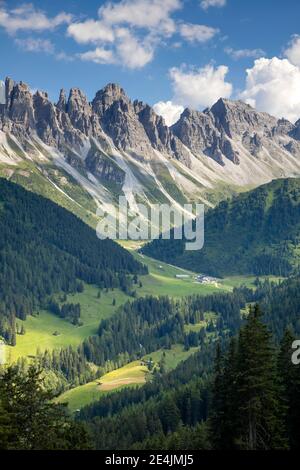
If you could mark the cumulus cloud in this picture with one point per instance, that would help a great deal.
(205, 4)
(99, 56)
(150, 14)
(197, 32)
(169, 111)
(201, 87)
(293, 51)
(36, 45)
(131, 51)
(91, 31)
(237, 54)
(133, 29)
(272, 85)
(28, 18)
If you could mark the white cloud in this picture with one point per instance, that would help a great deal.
(205, 4)
(149, 14)
(132, 52)
(127, 32)
(242, 53)
(64, 56)
(201, 87)
(169, 111)
(99, 56)
(36, 45)
(91, 31)
(293, 51)
(133, 29)
(197, 32)
(127, 50)
(28, 18)
(42, 45)
(273, 85)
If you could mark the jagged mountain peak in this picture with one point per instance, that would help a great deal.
(189, 112)
(237, 117)
(230, 143)
(41, 94)
(114, 89)
(109, 94)
(62, 100)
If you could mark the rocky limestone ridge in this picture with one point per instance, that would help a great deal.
(229, 127)
(224, 132)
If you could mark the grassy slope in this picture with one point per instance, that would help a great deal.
(133, 374)
(40, 329)
(159, 281)
(172, 356)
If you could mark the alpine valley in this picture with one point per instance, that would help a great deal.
(85, 154)
(106, 347)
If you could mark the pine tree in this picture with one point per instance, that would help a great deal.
(260, 425)
(6, 429)
(290, 380)
(247, 411)
(217, 406)
(30, 420)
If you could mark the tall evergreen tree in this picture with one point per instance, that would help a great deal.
(260, 423)
(29, 419)
(290, 380)
(246, 407)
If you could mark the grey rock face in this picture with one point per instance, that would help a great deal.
(119, 120)
(46, 123)
(253, 143)
(199, 133)
(9, 85)
(223, 132)
(103, 167)
(236, 117)
(295, 132)
(79, 111)
(160, 135)
(21, 110)
(220, 131)
(62, 101)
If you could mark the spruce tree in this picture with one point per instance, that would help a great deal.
(29, 420)
(217, 406)
(260, 423)
(290, 381)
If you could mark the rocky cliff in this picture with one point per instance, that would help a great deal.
(113, 139)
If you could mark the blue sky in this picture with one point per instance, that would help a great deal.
(173, 52)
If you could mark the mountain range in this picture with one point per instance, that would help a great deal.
(257, 232)
(85, 154)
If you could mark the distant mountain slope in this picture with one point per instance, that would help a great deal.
(45, 249)
(85, 154)
(257, 232)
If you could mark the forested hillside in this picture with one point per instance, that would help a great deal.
(183, 409)
(257, 232)
(45, 249)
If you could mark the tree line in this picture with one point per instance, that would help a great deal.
(45, 249)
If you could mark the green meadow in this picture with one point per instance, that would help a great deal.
(132, 374)
(40, 329)
(47, 331)
(171, 357)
